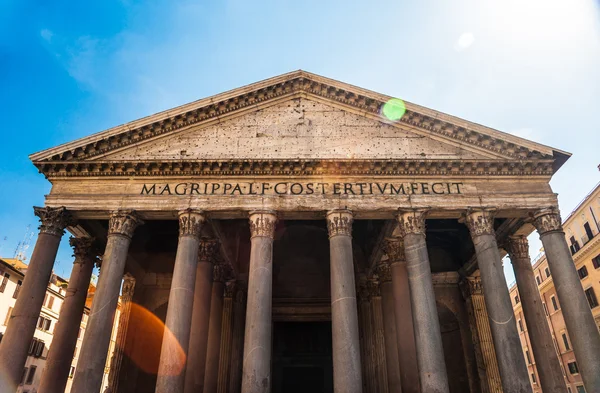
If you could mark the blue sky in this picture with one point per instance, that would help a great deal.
(68, 69)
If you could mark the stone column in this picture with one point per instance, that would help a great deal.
(213, 350)
(60, 357)
(546, 361)
(117, 356)
(365, 315)
(94, 349)
(428, 338)
(226, 337)
(347, 377)
(174, 350)
(482, 336)
(194, 376)
(511, 363)
(237, 346)
(21, 326)
(384, 275)
(256, 368)
(379, 350)
(576, 310)
(405, 335)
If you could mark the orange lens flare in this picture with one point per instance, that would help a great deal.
(144, 344)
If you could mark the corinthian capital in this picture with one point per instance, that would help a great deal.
(517, 247)
(383, 271)
(339, 223)
(412, 221)
(54, 220)
(480, 221)
(547, 220)
(128, 287)
(394, 249)
(207, 250)
(190, 223)
(262, 223)
(123, 222)
(84, 250)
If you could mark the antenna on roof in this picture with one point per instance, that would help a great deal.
(23, 245)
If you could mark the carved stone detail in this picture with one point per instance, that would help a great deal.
(412, 221)
(547, 220)
(480, 221)
(207, 250)
(517, 247)
(128, 287)
(471, 286)
(84, 250)
(124, 223)
(54, 220)
(394, 249)
(339, 223)
(373, 288)
(262, 223)
(221, 273)
(362, 292)
(230, 288)
(190, 223)
(383, 271)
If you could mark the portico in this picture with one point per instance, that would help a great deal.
(290, 238)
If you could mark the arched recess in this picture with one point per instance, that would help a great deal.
(454, 355)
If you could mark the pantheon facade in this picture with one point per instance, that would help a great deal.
(301, 234)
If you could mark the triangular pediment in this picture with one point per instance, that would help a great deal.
(296, 116)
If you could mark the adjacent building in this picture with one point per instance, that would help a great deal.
(582, 228)
(12, 273)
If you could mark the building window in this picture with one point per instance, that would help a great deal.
(537, 279)
(569, 390)
(596, 262)
(574, 245)
(4, 282)
(545, 309)
(533, 378)
(50, 302)
(527, 356)
(583, 273)
(31, 374)
(24, 375)
(547, 272)
(554, 302)
(17, 289)
(44, 323)
(580, 389)
(520, 325)
(566, 342)
(72, 372)
(80, 333)
(8, 314)
(591, 297)
(573, 368)
(517, 299)
(36, 348)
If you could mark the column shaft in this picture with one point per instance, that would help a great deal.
(237, 347)
(116, 362)
(546, 360)
(60, 356)
(213, 349)
(94, 349)
(576, 310)
(347, 377)
(23, 319)
(379, 349)
(405, 335)
(194, 376)
(365, 315)
(428, 338)
(389, 328)
(173, 354)
(226, 338)
(511, 363)
(256, 371)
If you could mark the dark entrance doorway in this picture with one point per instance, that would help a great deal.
(302, 359)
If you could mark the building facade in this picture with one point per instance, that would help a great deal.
(582, 227)
(302, 234)
(12, 273)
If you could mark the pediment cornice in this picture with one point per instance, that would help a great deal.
(72, 157)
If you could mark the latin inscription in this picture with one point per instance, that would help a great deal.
(291, 188)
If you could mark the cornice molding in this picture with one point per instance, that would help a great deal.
(296, 167)
(297, 84)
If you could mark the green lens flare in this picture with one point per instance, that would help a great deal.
(394, 109)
